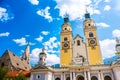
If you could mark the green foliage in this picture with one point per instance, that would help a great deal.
(117, 52)
(3, 72)
(20, 77)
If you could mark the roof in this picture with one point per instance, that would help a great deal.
(16, 73)
(17, 62)
(117, 61)
(40, 67)
(42, 53)
(78, 36)
(117, 45)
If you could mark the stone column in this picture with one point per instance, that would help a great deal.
(53, 77)
(102, 78)
(89, 78)
(112, 76)
(31, 78)
(70, 75)
(99, 76)
(74, 76)
(64, 76)
(85, 75)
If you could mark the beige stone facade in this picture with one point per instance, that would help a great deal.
(80, 56)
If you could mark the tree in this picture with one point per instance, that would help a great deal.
(3, 72)
(117, 53)
(20, 77)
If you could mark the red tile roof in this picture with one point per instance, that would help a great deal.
(16, 73)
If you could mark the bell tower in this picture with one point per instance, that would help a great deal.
(92, 42)
(66, 43)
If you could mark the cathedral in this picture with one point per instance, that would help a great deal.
(79, 60)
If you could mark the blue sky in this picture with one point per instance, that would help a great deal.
(39, 21)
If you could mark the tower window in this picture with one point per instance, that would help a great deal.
(88, 24)
(78, 42)
(65, 28)
(65, 39)
(40, 58)
(91, 34)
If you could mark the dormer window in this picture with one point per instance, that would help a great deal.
(17, 64)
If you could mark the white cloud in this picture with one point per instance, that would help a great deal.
(116, 33)
(40, 38)
(21, 41)
(107, 0)
(4, 34)
(51, 58)
(107, 48)
(45, 32)
(32, 43)
(4, 15)
(51, 43)
(34, 2)
(107, 8)
(76, 8)
(102, 24)
(117, 5)
(45, 13)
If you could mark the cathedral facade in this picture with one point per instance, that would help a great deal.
(79, 60)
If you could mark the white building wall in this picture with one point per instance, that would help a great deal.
(116, 71)
(79, 50)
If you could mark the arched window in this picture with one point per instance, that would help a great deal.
(107, 78)
(94, 78)
(57, 78)
(68, 78)
(91, 34)
(65, 39)
(80, 78)
(78, 42)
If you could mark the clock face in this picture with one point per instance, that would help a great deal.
(92, 42)
(65, 45)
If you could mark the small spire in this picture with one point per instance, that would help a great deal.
(28, 44)
(87, 14)
(117, 40)
(66, 17)
(43, 49)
